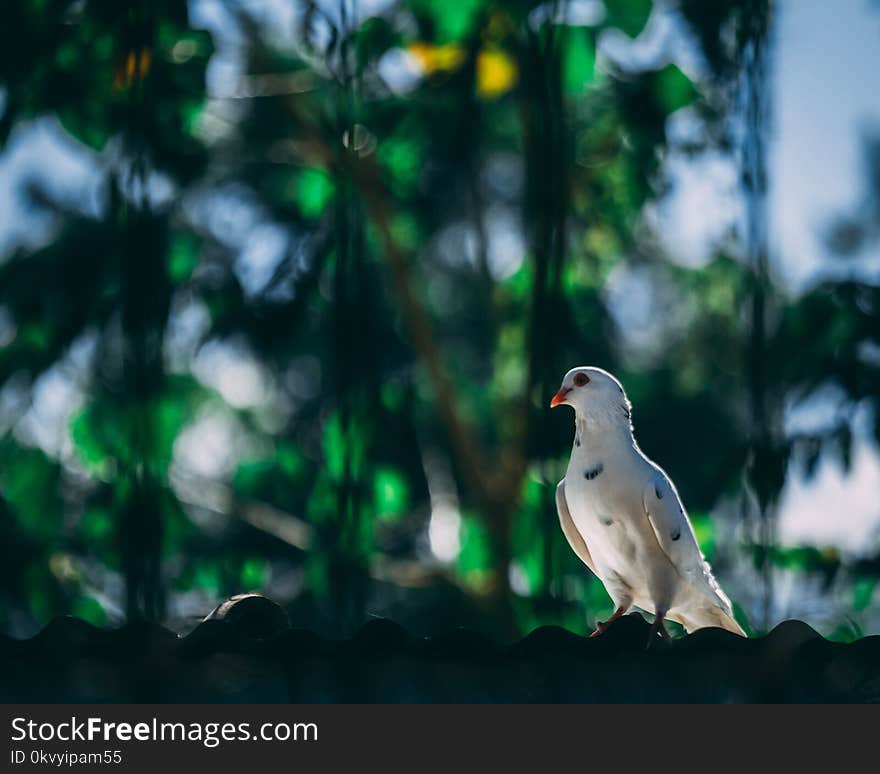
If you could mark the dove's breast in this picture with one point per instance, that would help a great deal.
(605, 501)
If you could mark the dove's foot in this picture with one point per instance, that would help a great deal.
(658, 627)
(601, 626)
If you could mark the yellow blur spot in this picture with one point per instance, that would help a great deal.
(496, 73)
(133, 68)
(433, 58)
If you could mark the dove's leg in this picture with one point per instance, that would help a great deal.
(601, 626)
(658, 627)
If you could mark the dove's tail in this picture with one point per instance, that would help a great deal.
(714, 609)
(727, 621)
(711, 615)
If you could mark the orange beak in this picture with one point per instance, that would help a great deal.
(559, 397)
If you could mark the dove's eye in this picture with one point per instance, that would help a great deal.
(580, 380)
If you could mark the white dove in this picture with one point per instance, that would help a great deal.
(623, 516)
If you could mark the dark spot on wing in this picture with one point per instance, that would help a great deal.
(657, 492)
(592, 473)
(676, 535)
(607, 521)
(577, 441)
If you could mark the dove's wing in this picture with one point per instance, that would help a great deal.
(575, 539)
(677, 540)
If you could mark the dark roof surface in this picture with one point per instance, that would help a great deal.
(247, 652)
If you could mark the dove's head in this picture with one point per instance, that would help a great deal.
(595, 395)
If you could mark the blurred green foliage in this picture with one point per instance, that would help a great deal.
(398, 232)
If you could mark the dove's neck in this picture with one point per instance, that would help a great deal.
(603, 436)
